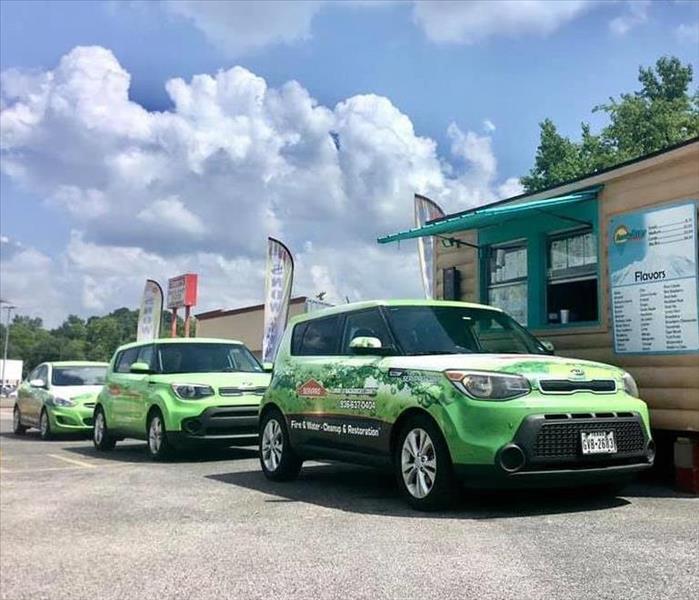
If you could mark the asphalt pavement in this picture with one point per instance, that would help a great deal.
(75, 524)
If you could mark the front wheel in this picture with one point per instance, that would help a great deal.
(45, 426)
(423, 466)
(159, 447)
(278, 460)
(17, 427)
(101, 438)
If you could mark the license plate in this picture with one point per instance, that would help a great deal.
(598, 442)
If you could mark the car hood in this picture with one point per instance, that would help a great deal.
(217, 380)
(76, 392)
(532, 366)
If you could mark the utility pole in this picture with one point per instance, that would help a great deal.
(9, 309)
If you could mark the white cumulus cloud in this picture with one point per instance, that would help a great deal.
(453, 21)
(200, 187)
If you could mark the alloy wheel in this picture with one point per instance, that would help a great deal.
(272, 445)
(418, 463)
(99, 428)
(44, 424)
(155, 435)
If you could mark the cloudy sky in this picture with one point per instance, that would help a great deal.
(150, 139)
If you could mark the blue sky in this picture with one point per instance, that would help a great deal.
(434, 65)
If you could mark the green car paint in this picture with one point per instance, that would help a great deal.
(352, 402)
(204, 390)
(63, 393)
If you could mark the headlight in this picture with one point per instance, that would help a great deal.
(56, 401)
(630, 386)
(483, 385)
(192, 391)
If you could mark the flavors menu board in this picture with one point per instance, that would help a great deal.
(653, 280)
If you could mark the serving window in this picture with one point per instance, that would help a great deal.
(571, 282)
(507, 279)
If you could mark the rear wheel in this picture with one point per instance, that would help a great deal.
(101, 438)
(278, 460)
(423, 466)
(17, 427)
(159, 447)
(45, 425)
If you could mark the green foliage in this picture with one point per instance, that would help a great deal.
(661, 114)
(77, 339)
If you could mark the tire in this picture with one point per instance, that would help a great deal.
(423, 466)
(278, 460)
(101, 438)
(45, 426)
(17, 427)
(159, 446)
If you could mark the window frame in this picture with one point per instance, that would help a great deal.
(537, 229)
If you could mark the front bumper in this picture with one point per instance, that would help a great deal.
(66, 419)
(495, 448)
(224, 424)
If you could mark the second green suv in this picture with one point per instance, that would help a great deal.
(178, 392)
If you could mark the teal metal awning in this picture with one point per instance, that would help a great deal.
(493, 215)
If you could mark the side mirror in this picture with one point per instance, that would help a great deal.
(267, 367)
(368, 345)
(548, 346)
(37, 383)
(140, 368)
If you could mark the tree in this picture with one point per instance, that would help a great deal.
(660, 114)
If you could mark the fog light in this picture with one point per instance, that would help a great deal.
(193, 426)
(512, 458)
(650, 451)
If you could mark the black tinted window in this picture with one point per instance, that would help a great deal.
(126, 359)
(78, 375)
(319, 337)
(366, 323)
(206, 358)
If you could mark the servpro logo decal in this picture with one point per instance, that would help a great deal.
(623, 234)
(312, 389)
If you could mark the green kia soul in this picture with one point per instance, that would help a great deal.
(180, 392)
(446, 393)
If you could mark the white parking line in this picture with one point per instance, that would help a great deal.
(72, 461)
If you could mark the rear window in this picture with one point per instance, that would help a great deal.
(318, 337)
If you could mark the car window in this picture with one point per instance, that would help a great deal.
(43, 373)
(457, 330)
(126, 359)
(365, 323)
(320, 337)
(206, 357)
(78, 375)
(33, 375)
(147, 355)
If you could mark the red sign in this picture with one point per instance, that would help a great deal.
(312, 389)
(182, 290)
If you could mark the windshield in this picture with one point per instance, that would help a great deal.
(206, 358)
(456, 330)
(78, 375)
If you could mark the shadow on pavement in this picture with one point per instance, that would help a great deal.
(369, 491)
(136, 453)
(33, 436)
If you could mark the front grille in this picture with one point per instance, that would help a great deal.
(566, 386)
(235, 411)
(557, 439)
(241, 391)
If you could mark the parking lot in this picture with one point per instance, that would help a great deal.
(76, 525)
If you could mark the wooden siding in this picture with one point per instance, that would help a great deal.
(668, 383)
